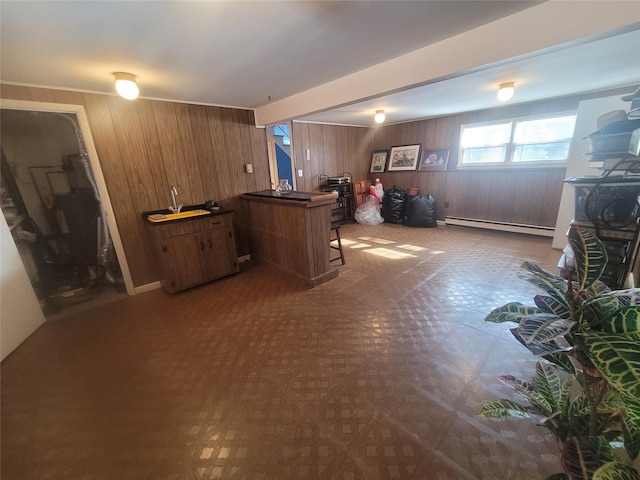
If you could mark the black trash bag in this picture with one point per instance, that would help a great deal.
(394, 205)
(421, 211)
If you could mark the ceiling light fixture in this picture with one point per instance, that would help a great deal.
(505, 92)
(379, 117)
(126, 85)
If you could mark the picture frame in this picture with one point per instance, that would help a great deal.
(434, 160)
(379, 161)
(404, 158)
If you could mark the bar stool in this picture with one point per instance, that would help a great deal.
(336, 229)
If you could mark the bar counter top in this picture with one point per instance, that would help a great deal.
(292, 196)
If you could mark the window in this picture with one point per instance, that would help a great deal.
(517, 142)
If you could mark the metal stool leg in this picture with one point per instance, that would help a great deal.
(339, 247)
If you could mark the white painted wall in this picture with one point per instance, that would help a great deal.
(588, 112)
(20, 312)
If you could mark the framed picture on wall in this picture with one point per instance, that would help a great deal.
(433, 160)
(404, 158)
(379, 161)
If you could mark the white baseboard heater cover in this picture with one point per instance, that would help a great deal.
(500, 226)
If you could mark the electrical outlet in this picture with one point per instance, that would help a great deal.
(248, 168)
(299, 173)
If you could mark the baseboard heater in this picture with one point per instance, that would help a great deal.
(501, 226)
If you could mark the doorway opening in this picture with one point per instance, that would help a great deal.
(51, 201)
(280, 157)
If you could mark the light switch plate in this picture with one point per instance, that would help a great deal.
(299, 173)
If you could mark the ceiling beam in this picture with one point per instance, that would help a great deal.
(544, 26)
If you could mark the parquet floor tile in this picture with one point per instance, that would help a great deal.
(378, 374)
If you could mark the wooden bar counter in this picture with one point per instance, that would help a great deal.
(292, 233)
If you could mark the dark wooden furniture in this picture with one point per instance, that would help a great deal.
(343, 209)
(292, 233)
(335, 229)
(361, 192)
(195, 250)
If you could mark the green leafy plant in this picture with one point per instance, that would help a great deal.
(586, 389)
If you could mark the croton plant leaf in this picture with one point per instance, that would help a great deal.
(582, 456)
(563, 361)
(551, 386)
(617, 357)
(579, 407)
(550, 351)
(553, 286)
(539, 404)
(556, 285)
(598, 311)
(546, 286)
(624, 320)
(611, 402)
(597, 289)
(550, 304)
(503, 409)
(620, 298)
(543, 327)
(593, 305)
(616, 471)
(629, 296)
(590, 257)
(511, 312)
(631, 429)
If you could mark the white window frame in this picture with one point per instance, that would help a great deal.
(511, 146)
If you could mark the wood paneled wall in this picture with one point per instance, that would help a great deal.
(145, 146)
(333, 150)
(528, 197)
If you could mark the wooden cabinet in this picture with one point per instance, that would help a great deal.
(292, 233)
(218, 251)
(195, 251)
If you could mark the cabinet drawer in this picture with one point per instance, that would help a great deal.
(216, 221)
(176, 229)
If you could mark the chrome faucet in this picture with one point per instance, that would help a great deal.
(175, 208)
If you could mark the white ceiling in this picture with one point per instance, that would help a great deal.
(249, 53)
(582, 68)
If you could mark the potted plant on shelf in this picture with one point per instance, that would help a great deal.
(586, 389)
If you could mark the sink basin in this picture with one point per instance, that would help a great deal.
(165, 217)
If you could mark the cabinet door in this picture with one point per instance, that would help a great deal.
(219, 256)
(182, 261)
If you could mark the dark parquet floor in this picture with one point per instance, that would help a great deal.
(378, 374)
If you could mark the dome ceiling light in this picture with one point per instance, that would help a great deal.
(126, 85)
(505, 92)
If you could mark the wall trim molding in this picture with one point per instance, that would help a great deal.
(148, 287)
(501, 226)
